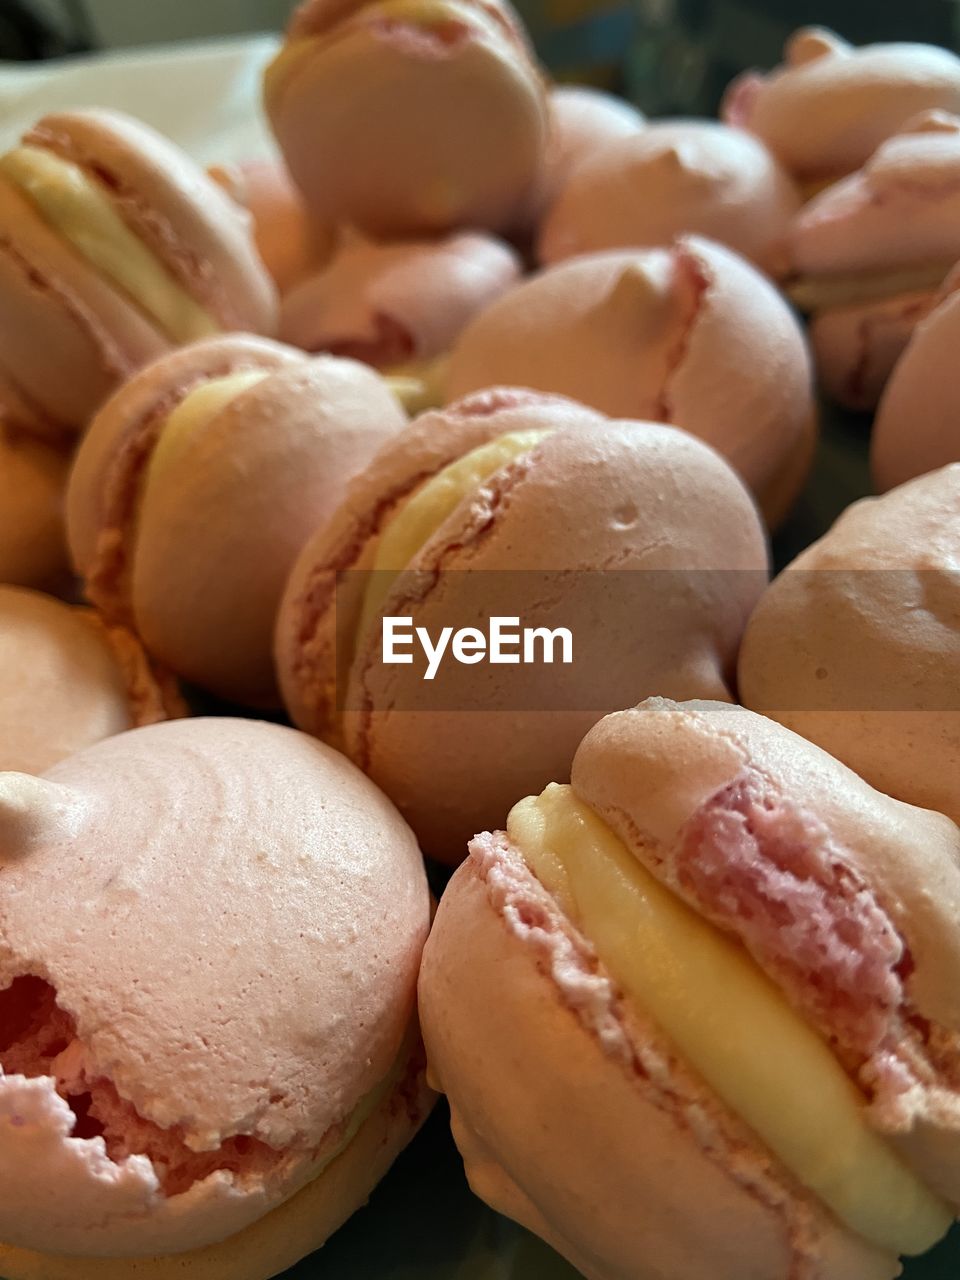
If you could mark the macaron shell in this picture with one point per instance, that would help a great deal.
(67, 335)
(387, 303)
(323, 598)
(598, 1154)
(286, 1234)
(916, 425)
(828, 111)
(196, 230)
(62, 688)
(582, 120)
(212, 1019)
(108, 470)
(901, 209)
(465, 150)
(213, 551)
(872, 599)
(649, 771)
(857, 348)
(673, 177)
(290, 244)
(585, 500)
(691, 335)
(33, 477)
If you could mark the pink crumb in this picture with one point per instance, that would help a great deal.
(38, 1038)
(771, 875)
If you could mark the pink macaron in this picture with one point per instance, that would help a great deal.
(116, 248)
(212, 932)
(915, 430)
(856, 645)
(442, 102)
(695, 1013)
(672, 177)
(866, 257)
(830, 105)
(634, 537)
(290, 243)
(198, 484)
(401, 303)
(690, 334)
(68, 681)
(33, 477)
(582, 120)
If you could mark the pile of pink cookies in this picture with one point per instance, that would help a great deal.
(476, 348)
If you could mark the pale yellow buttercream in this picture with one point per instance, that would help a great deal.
(75, 206)
(730, 1022)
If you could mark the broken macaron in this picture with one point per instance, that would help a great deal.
(211, 936)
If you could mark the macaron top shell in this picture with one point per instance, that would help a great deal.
(691, 335)
(466, 145)
(68, 681)
(915, 430)
(828, 645)
(902, 209)
(830, 105)
(669, 178)
(265, 1012)
(390, 303)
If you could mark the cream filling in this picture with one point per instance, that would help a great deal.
(824, 292)
(419, 384)
(729, 1021)
(75, 206)
(419, 518)
(191, 416)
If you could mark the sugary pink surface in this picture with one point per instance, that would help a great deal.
(830, 105)
(756, 864)
(210, 932)
(388, 303)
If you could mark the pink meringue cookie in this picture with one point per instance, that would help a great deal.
(856, 645)
(916, 427)
(289, 242)
(672, 177)
(389, 304)
(828, 108)
(440, 99)
(575, 532)
(868, 255)
(691, 335)
(198, 484)
(211, 937)
(576, 1109)
(33, 477)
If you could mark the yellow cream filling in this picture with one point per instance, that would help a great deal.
(192, 414)
(729, 1021)
(419, 384)
(424, 512)
(823, 292)
(73, 204)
